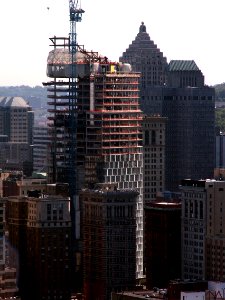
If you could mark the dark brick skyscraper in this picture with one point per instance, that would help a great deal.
(109, 231)
(189, 105)
(145, 57)
(163, 242)
(176, 91)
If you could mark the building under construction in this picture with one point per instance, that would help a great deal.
(98, 139)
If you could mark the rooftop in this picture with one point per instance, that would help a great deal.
(160, 294)
(183, 65)
(13, 102)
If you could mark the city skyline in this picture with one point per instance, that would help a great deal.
(182, 30)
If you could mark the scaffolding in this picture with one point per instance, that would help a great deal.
(108, 133)
(107, 108)
(62, 115)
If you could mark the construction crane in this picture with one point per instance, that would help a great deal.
(75, 16)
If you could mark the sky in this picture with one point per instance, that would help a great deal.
(182, 29)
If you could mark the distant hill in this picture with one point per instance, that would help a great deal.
(36, 96)
(220, 91)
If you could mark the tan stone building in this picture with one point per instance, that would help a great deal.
(16, 130)
(215, 233)
(203, 229)
(153, 156)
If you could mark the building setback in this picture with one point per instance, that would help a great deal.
(146, 58)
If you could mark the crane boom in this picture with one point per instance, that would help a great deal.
(75, 16)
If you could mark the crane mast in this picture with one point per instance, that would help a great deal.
(75, 13)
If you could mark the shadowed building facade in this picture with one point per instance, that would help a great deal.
(40, 234)
(109, 235)
(162, 242)
(154, 156)
(176, 91)
(108, 138)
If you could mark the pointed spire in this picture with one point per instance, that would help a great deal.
(144, 56)
(142, 28)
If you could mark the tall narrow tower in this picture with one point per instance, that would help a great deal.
(96, 133)
(75, 16)
(109, 140)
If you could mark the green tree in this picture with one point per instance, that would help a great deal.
(220, 118)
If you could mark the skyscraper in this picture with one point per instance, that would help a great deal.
(162, 242)
(215, 233)
(176, 91)
(189, 105)
(109, 234)
(108, 127)
(153, 156)
(146, 58)
(193, 232)
(203, 242)
(40, 148)
(16, 119)
(16, 130)
(220, 153)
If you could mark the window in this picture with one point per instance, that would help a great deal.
(146, 137)
(153, 137)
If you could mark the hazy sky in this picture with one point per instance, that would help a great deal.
(182, 29)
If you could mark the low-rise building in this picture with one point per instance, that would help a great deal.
(40, 235)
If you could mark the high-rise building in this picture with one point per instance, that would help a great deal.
(40, 148)
(143, 54)
(16, 130)
(40, 234)
(203, 241)
(215, 232)
(162, 242)
(190, 139)
(193, 232)
(146, 58)
(108, 127)
(109, 241)
(220, 150)
(153, 156)
(185, 100)
(16, 119)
